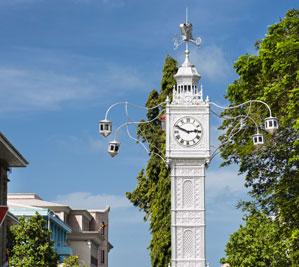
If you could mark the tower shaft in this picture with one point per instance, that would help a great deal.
(188, 213)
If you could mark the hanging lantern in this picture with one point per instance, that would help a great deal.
(113, 148)
(105, 127)
(271, 124)
(163, 122)
(258, 139)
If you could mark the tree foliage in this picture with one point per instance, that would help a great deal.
(271, 171)
(71, 261)
(30, 244)
(260, 243)
(152, 192)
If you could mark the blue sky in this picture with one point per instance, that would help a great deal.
(62, 62)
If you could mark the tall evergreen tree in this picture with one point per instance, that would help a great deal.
(271, 171)
(152, 192)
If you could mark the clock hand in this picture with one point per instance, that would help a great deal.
(182, 129)
(195, 131)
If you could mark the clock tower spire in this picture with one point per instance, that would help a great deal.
(186, 90)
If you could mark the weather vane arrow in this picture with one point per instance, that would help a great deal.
(186, 35)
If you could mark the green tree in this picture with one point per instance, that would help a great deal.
(30, 244)
(152, 192)
(71, 261)
(271, 171)
(259, 243)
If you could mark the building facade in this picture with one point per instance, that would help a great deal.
(88, 237)
(9, 158)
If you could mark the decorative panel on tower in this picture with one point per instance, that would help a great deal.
(188, 194)
(188, 244)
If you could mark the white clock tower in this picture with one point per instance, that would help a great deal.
(187, 153)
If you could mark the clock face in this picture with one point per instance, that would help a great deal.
(187, 131)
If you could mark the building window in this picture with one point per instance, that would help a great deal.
(103, 226)
(102, 256)
(94, 261)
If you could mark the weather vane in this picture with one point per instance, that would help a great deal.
(186, 35)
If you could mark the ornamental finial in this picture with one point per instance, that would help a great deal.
(186, 35)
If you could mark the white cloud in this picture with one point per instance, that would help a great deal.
(211, 63)
(126, 216)
(222, 208)
(224, 189)
(122, 211)
(78, 144)
(122, 78)
(85, 200)
(223, 179)
(53, 82)
(33, 89)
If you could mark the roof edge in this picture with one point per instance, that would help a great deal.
(23, 162)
